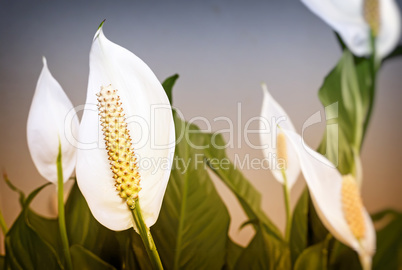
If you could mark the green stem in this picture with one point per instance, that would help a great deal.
(373, 69)
(146, 236)
(3, 224)
(62, 221)
(287, 206)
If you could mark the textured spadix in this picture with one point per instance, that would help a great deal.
(277, 150)
(149, 121)
(48, 125)
(353, 19)
(335, 200)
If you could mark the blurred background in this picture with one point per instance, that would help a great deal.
(222, 51)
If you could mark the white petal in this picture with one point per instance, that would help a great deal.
(346, 18)
(275, 115)
(139, 91)
(325, 183)
(47, 126)
(390, 28)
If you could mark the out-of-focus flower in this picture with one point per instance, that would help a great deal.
(277, 151)
(135, 123)
(47, 127)
(337, 200)
(355, 20)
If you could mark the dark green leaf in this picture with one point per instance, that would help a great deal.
(389, 243)
(47, 229)
(233, 253)
(2, 263)
(191, 232)
(343, 257)
(84, 259)
(264, 252)
(115, 248)
(248, 196)
(314, 257)
(316, 230)
(82, 228)
(168, 86)
(299, 231)
(25, 248)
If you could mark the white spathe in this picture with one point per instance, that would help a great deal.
(346, 17)
(151, 127)
(324, 183)
(48, 125)
(273, 115)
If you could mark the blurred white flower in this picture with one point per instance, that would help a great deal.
(47, 127)
(134, 110)
(277, 151)
(337, 200)
(353, 20)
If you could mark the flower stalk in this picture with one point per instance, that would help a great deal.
(146, 236)
(286, 195)
(62, 221)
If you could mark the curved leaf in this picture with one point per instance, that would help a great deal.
(25, 248)
(264, 252)
(85, 260)
(192, 228)
(248, 196)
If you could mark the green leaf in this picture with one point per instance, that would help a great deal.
(25, 248)
(264, 252)
(389, 242)
(82, 227)
(115, 248)
(248, 197)
(299, 231)
(316, 230)
(168, 86)
(14, 188)
(345, 107)
(191, 231)
(343, 257)
(314, 257)
(85, 260)
(47, 229)
(233, 253)
(2, 262)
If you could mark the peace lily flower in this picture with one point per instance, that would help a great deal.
(134, 131)
(356, 20)
(337, 200)
(47, 126)
(278, 155)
